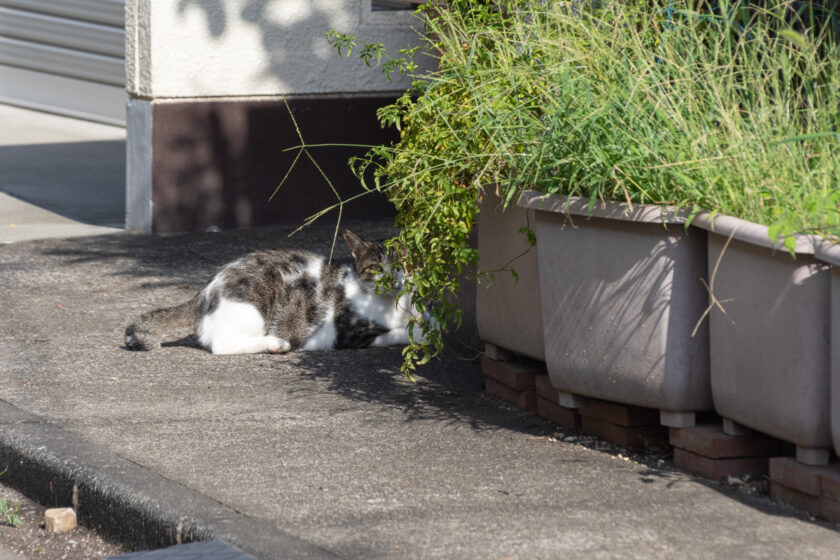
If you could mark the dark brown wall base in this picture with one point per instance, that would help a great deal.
(218, 162)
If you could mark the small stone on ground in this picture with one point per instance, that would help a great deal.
(60, 520)
(31, 541)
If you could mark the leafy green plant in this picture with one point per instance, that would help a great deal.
(9, 515)
(730, 106)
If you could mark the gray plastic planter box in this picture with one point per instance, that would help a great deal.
(621, 295)
(830, 253)
(770, 349)
(508, 312)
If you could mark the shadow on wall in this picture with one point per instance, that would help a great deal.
(292, 35)
(222, 162)
(214, 13)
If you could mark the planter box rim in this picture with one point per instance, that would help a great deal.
(829, 252)
(753, 233)
(579, 206)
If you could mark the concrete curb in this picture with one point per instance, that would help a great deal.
(123, 500)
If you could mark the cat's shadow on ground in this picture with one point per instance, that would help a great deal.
(189, 341)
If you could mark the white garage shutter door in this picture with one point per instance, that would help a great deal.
(65, 56)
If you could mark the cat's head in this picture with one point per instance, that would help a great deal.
(372, 260)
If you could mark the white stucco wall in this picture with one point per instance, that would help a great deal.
(223, 48)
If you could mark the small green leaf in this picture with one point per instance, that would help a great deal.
(530, 235)
(795, 37)
(805, 137)
(790, 244)
(774, 231)
(427, 355)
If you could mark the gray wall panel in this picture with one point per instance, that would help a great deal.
(107, 12)
(64, 62)
(62, 32)
(48, 41)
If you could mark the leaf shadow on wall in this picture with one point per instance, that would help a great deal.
(221, 161)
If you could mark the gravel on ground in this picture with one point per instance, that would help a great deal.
(31, 540)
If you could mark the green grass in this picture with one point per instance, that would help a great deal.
(731, 110)
(10, 516)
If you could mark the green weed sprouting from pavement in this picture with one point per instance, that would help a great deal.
(9, 515)
(729, 107)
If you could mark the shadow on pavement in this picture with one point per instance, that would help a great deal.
(84, 181)
(448, 389)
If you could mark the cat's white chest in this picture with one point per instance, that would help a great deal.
(380, 309)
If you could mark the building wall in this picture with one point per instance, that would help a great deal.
(212, 87)
(219, 163)
(214, 48)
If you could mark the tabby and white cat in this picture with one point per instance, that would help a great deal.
(284, 300)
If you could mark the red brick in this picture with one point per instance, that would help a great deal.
(621, 414)
(710, 441)
(566, 417)
(526, 400)
(795, 498)
(797, 476)
(623, 436)
(829, 509)
(718, 469)
(826, 505)
(545, 389)
(517, 374)
(830, 483)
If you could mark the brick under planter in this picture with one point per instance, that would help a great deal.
(620, 414)
(707, 451)
(547, 407)
(516, 374)
(718, 469)
(816, 489)
(624, 425)
(512, 381)
(525, 384)
(526, 400)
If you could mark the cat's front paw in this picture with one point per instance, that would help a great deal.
(276, 345)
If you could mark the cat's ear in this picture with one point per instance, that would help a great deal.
(357, 244)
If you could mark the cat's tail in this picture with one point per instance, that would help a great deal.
(148, 331)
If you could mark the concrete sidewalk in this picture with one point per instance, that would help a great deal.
(315, 455)
(59, 177)
(22, 221)
(73, 168)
